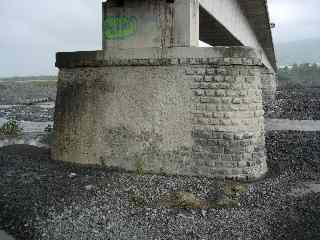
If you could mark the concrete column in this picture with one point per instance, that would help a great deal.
(187, 22)
(269, 87)
(150, 23)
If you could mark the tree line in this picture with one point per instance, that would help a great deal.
(302, 73)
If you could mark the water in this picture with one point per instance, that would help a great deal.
(294, 125)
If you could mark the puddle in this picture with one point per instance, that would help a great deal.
(306, 188)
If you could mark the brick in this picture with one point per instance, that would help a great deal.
(210, 162)
(227, 60)
(218, 78)
(217, 149)
(201, 141)
(193, 85)
(236, 101)
(231, 93)
(213, 100)
(214, 122)
(235, 122)
(213, 60)
(205, 85)
(228, 115)
(225, 100)
(229, 79)
(197, 78)
(243, 93)
(220, 93)
(225, 122)
(212, 107)
(228, 157)
(224, 86)
(210, 92)
(199, 107)
(217, 135)
(237, 61)
(199, 92)
(211, 71)
(228, 136)
(208, 78)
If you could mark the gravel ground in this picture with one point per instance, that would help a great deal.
(296, 103)
(43, 199)
(35, 113)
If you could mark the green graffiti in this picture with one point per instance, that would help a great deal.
(119, 27)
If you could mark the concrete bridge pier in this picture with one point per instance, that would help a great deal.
(153, 101)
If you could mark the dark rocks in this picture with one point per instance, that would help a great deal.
(39, 200)
(296, 103)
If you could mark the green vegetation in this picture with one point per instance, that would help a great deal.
(10, 129)
(139, 167)
(303, 73)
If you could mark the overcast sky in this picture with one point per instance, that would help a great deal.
(33, 30)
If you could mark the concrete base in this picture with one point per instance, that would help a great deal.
(188, 111)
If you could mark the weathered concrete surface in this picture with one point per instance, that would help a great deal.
(183, 111)
(152, 23)
(292, 125)
(269, 86)
(161, 23)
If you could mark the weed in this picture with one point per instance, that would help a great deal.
(11, 129)
(139, 167)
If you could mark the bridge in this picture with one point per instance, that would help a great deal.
(217, 23)
(153, 100)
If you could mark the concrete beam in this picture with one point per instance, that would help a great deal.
(243, 22)
(181, 23)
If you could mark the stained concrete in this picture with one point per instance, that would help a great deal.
(152, 23)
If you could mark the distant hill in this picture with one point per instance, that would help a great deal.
(30, 78)
(303, 51)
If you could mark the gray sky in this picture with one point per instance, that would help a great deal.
(33, 30)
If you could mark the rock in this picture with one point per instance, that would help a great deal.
(203, 213)
(185, 216)
(187, 200)
(89, 187)
(72, 175)
(225, 203)
(182, 200)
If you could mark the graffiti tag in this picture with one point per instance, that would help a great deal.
(119, 27)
